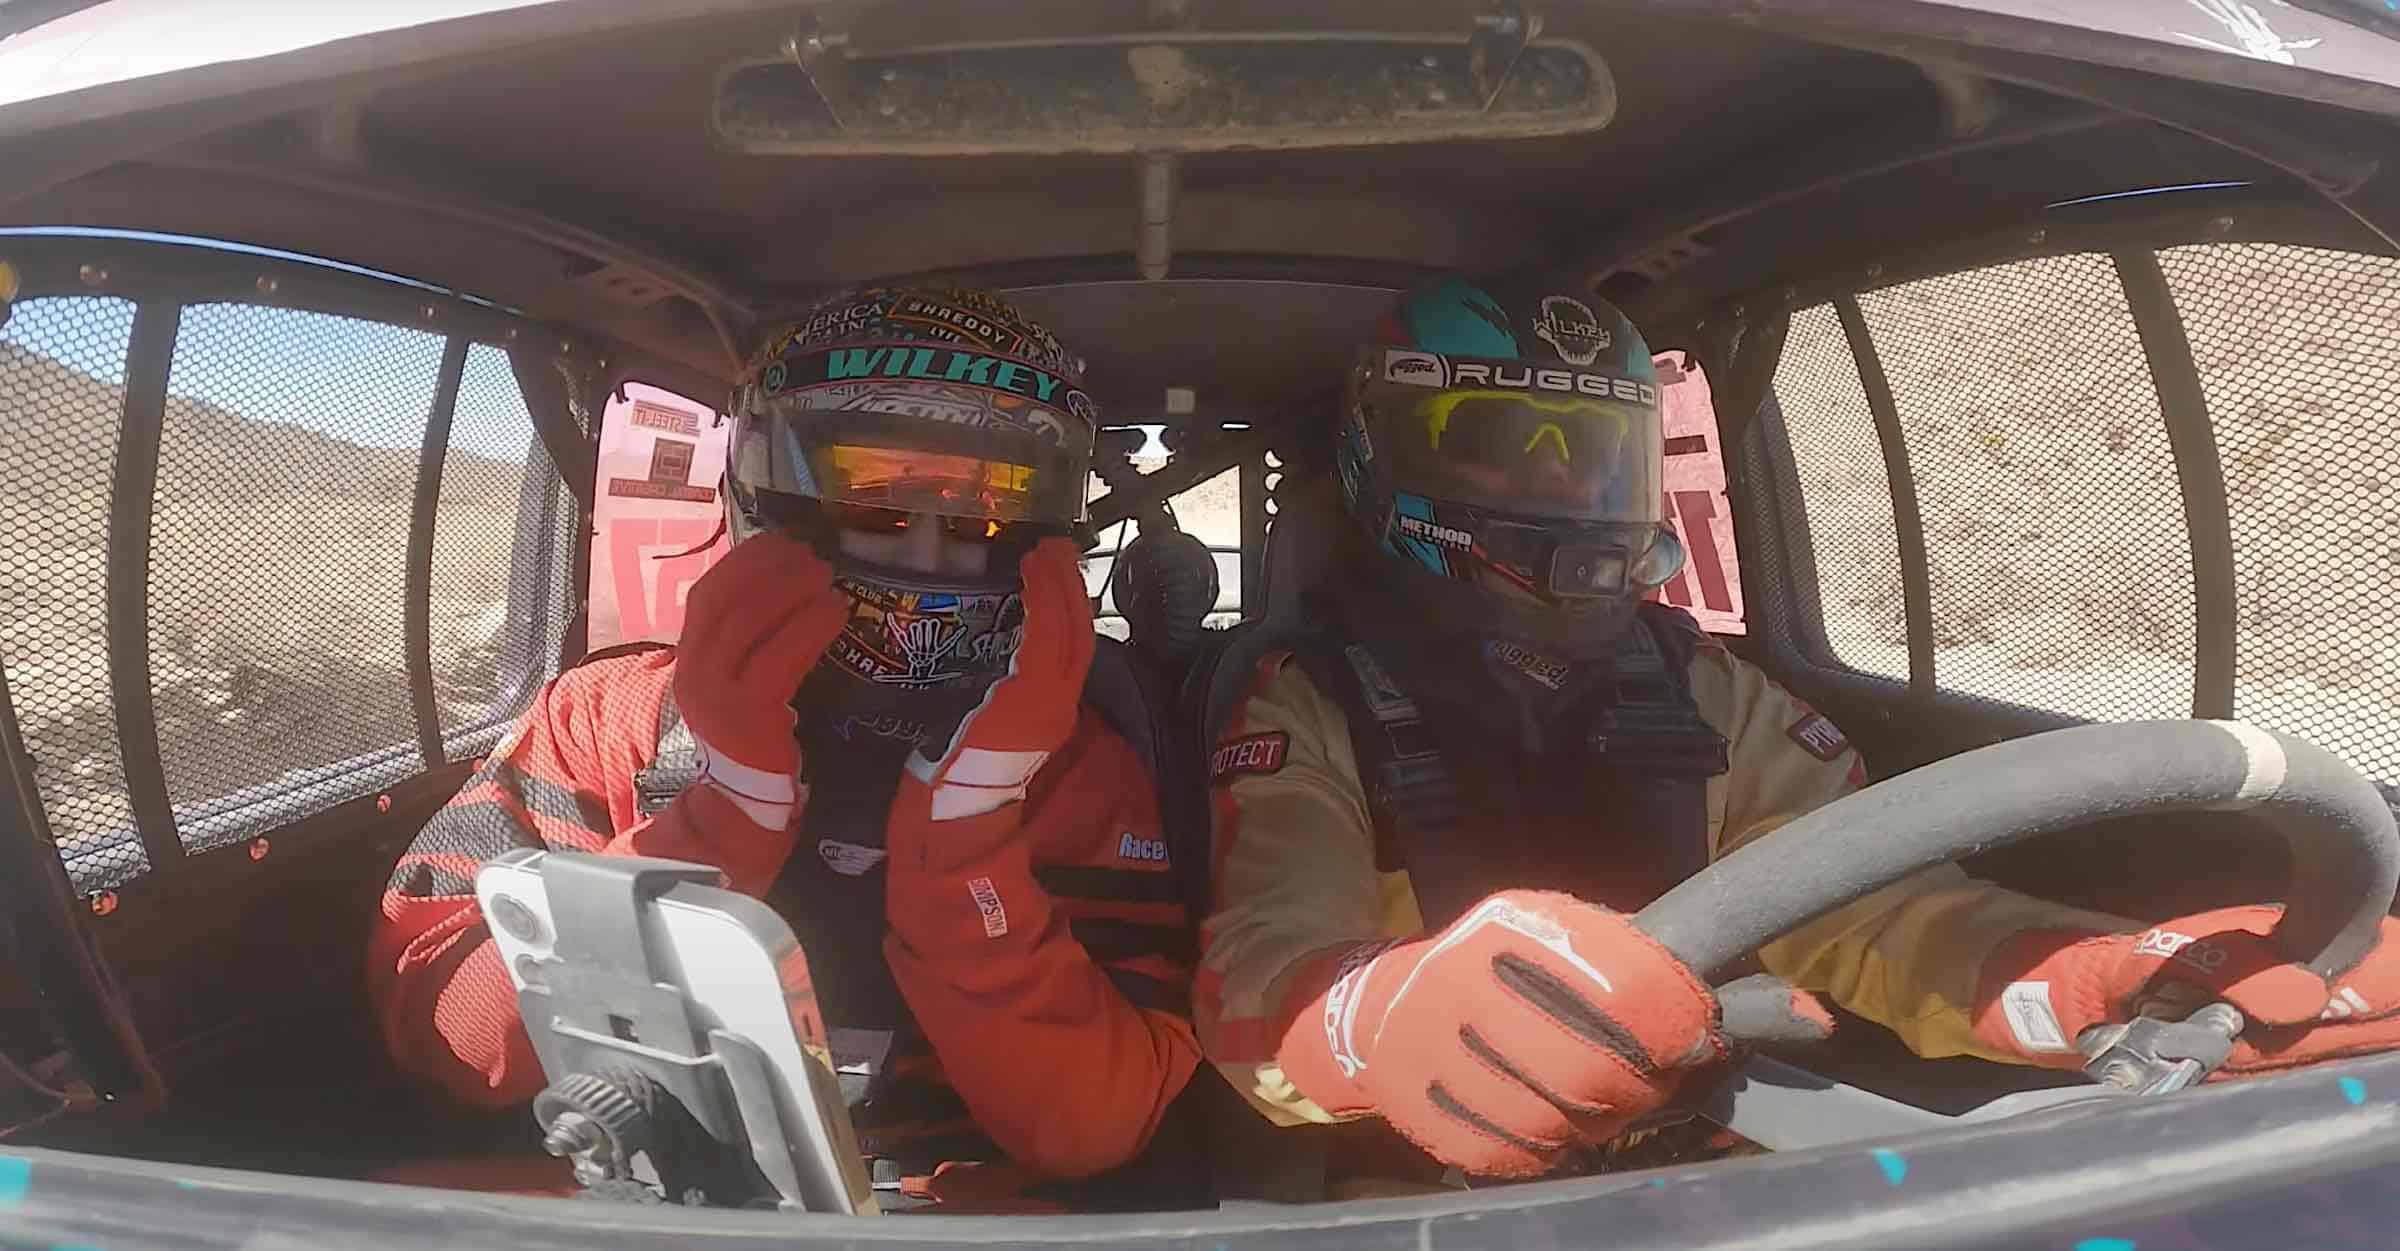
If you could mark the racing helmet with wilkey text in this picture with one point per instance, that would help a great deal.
(886, 408)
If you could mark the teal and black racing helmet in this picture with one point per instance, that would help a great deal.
(1506, 436)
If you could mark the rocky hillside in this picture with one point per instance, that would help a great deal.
(275, 592)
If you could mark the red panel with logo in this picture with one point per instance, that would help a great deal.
(1710, 586)
(657, 523)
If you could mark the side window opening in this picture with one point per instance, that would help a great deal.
(1845, 497)
(62, 369)
(2298, 352)
(210, 611)
(279, 525)
(502, 550)
(2061, 571)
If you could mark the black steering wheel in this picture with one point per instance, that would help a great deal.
(2345, 850)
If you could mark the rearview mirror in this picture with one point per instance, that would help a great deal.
(1160, 93)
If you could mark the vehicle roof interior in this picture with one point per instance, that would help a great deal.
(576, 178)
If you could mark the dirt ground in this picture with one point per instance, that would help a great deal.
(274, 596)
(2053, 516)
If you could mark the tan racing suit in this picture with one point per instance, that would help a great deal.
(1296, 875)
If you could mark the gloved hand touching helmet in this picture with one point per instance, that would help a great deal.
(1533, 1024)
(2041, 989)
(755, 624)
(990, 760)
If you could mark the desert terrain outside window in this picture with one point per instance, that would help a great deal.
(2059, 568)
(2059, 560)
(503, 554)
(1845, 498)
(287, 463)
(62, 373)
(2298, 350)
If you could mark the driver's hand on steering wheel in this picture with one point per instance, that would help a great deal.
(1533, 1024)
(2040, 990)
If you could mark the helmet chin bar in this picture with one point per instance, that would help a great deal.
(1438, 605)
(878, 665)
(1593, 587)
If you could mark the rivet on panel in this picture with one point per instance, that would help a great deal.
(1875, 271)
(517, 919)
(259, 847)
(2223, 225)
(429, 313)
(2038, 238)
(103, 902)
(267, 285)
(93, 275)
(509, 335)
(565, 348)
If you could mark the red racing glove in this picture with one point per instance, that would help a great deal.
(1532, 1024)
(998, 747)
(2041, 989)
(755, 624)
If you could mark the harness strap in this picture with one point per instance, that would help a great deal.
(1648, 740)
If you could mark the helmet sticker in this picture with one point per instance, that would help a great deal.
(1413, 517)
(1434, 532)
(1416, 369)
(920, 639)
(1546, 670)
(1431, 370)
(972, 318)
(1569, 325)
(937, 402)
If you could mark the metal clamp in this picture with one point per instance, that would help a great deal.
(2152, 1057)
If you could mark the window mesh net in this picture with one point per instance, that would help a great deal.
(1845, 497)
(287, 465)
(62, 369)
(499, 540)
(2060, 566)
(2299, 355)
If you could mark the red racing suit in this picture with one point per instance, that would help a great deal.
(1062, 1047)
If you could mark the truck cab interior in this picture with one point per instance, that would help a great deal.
(2046, 372)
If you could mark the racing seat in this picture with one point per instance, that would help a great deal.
(1253, 1158)
(1300, 547)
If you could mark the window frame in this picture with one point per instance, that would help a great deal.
(562, 377)
(1779, 562)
